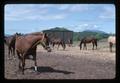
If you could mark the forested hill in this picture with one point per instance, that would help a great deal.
(78, 35)
(95, 33)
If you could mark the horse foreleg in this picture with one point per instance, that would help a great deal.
(64, 46)
(20, 65)
(93, 46)
(58, 46)
(19, 57)
(80, 46)
(85, 46)
(23, 63)
(35, 62)
(53, 45)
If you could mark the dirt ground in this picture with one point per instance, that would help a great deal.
(69, 64)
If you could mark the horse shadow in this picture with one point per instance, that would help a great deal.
(45, 69)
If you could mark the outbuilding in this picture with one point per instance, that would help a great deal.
(62, 33)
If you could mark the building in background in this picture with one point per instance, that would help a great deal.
(62, 33)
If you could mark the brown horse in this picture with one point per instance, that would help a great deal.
(88, 40)
(10, 42)
(57, 41)
(26, 45)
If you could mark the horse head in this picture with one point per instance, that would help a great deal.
(46, 42)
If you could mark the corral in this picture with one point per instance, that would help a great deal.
(70, 63)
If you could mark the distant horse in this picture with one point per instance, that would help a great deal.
(86, 40)
(10, 42)
(26, 45)
(57, 41)
(111, 41)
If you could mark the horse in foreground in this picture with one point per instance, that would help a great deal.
(87, 40)
(26, 45)
(111, 41)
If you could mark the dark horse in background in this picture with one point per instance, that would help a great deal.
(86, 40)
(57, 41)
(26, 45)
(10, 42)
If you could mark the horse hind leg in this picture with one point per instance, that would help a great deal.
(96, 44)
(8, 52)
(110, 45)
(13, 53)
(64, 46)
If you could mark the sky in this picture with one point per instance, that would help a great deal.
(27, 18)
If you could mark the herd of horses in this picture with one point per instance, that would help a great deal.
(25, 45)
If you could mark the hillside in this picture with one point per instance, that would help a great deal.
(79, 35)
(98, 34)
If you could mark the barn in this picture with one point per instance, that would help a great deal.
(61, 33)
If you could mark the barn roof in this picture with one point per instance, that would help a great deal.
(58, 29)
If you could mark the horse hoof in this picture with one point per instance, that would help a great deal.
(9, 58)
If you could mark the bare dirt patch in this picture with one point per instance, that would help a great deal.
(69, 64)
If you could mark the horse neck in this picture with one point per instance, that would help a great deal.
(35, 40)
(39, 40)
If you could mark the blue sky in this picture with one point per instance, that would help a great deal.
(26, 18)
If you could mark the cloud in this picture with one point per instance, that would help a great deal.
(46, 5)
(40, 12)
(86, 26)
(79, 8)
(28, 12)
(63, 7)
(73, 7)
(46, 17)
(108, 12)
